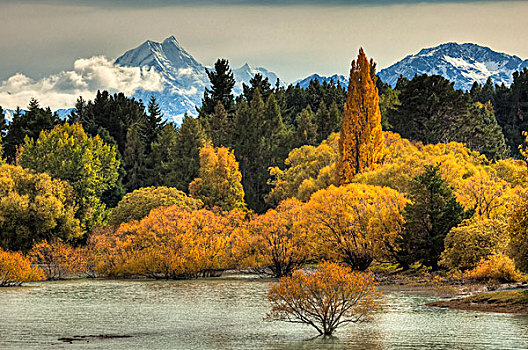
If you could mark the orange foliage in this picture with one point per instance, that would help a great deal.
(330, 297)
(171, 242)
(361, 141)
(497, 267)
(356, 223)
(58, 259)
(280, 243)
(15, 269)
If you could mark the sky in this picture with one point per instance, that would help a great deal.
(48, 40)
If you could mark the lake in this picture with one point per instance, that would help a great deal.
(226, 313)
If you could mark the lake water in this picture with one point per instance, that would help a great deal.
(226, 314)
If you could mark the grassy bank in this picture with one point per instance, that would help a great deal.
(507, 301)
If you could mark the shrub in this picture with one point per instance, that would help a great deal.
(138, 204)
(15, 269)
(473, 241)
(326, 299)
(58, 259)
(497, 267)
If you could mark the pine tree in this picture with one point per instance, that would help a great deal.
(361, 140)
(257, 82)
(154, 121)
(164, 155)
(135, 160)
(219, 126)
(222, 83)
(185, 166)
(306, 131)
(431, 215)
(28, 124)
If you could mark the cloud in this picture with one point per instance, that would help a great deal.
(88, 75)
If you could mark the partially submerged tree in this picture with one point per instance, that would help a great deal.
(326, 299)
(280, 243)
(15, 269)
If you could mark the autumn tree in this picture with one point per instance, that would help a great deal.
(518, 230)
(219, 181)
(361, 142)
(280, 243)
(87, 163)
(472, 241)
(58, 259)
(171, 242)
(356, 223)
(328, 298)
(138, 204)
(307, 170)
(34, 207)
(15, 269)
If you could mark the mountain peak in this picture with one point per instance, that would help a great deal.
(171, 40)
(461, 63)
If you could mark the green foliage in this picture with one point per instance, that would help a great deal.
(222, 82)
(87, 163)
(34, 207)
(306, 130)
(28, 124)
(138, 204)
(434, 211)
(469, 243)
(432, 111)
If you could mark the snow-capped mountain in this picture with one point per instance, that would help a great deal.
(184, 78)
(460, 63)
(336, 78)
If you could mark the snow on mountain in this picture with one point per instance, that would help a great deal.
(246, 72)
(340, 79)
(184, 78)
(461, 63)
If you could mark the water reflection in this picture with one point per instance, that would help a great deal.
(226, 314)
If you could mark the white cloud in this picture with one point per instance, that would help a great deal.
(88, 75)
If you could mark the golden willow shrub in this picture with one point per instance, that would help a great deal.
(356, 223)
(326, 299)
(137, 204)
(308, 169)
(34, 207)
(472, 241)
(59, 260)
(15, 269)
(172, 242)
(280, 241)
(219, 182)
(497, 267)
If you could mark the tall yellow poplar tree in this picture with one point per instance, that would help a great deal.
(361, 137)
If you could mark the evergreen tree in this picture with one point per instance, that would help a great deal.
(28, 124)
(483, 134)
(164, 157)
(430, 110)
(222, 83)
(187, 159)
(327, 121)
(434, 211)
(361, 138)
(154, 121)
(257, 82)
(306, 131)
(219, 126)
(135, 160)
